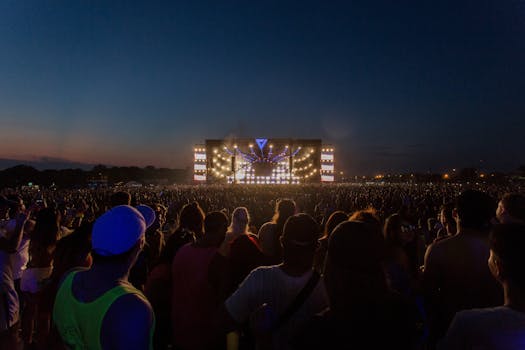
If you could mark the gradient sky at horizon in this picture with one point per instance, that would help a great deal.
(394, 85)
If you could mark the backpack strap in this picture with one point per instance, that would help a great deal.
(298, 301)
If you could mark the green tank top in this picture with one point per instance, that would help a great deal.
(80, 323)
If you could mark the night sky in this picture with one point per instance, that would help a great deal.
(393, 85)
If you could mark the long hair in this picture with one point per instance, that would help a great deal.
(334, 219)
(192, 218)
(283, 210)
(240, 220)
(392, 228)
(46, 228)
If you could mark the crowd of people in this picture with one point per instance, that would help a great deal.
(404, 266)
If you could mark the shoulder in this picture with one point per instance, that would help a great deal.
(261, 273)
(472, 319)
(130, 304)
(69, 272)
(438, 248)
(485, 314)
(257, 279)
(441, 244)
(244, 240)
(267, 227)
(493, 328)
(127, 323)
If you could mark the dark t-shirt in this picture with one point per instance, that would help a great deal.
(389, 323)
(245, 255)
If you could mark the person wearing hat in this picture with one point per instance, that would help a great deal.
(268, 292)
(97, 308)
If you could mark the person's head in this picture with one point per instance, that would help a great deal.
(240, 220)
(215, 227)
(118, 236)
(333, 220)
(120, 198)
(148, 213)
(160, 215)
(47, 227)
(354, 262)
(74, 250)
(474, 210)
(191, 217)
(284, 208)
(511, 209)
(300, 240)
(446, 218)
(507, 258)
(368, 215)
(16, 204)
(395, 232)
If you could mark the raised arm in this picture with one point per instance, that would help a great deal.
(11, 243)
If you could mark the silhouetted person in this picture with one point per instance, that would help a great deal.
(456, 276)
(363, 312)
(120, 198)
(97, 307)
(511, 209)
(502, 327)
(198, 271)
(275, 287)
(241, 247)
(334, 219)
(270, 232)
(10, 238)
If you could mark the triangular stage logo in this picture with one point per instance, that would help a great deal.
(261, 143)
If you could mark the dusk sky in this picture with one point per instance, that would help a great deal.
(393, 85)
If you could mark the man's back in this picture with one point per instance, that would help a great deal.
(88, 318)
(457, 278)
(498, 328)
(272, 286)
(98, 308)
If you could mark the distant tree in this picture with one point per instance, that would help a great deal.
(19, 175)
(100, 168)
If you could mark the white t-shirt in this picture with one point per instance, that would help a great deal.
(270, 285)
(20, 258)
(499, 328)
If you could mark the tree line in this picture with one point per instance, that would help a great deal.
(24, 175)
